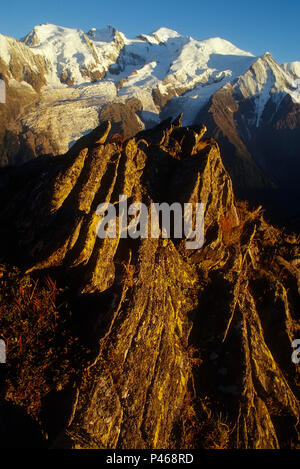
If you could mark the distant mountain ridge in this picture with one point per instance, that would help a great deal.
(62, 82)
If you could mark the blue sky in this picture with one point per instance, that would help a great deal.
(257, 26)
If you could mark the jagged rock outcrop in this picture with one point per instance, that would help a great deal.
(123, 117)
(190, 348)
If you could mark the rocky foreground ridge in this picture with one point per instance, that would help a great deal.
(180, 348)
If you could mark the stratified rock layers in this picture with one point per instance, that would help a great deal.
(156, 304)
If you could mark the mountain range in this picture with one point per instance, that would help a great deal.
(138, 342)
(61, 83)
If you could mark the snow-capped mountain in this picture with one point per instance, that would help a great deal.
(153, 68)
(62, 81)
(81, 57)
(293, 68)
(84, 72)
(256, 120)
(73, 56)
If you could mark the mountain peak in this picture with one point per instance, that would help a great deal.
(140, 338)
(106, 34)
(47, 31)
(163, 34)
(293, 68)
(224, 47)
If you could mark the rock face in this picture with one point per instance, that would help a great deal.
(257, 126)
(24, 75)
(190, 348)
(123, 117)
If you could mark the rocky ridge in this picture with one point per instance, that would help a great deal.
(188, 349)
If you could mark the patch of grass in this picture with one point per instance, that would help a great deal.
(42, 354)
(201, 428)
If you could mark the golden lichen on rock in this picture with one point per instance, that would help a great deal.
(188, 349)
